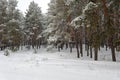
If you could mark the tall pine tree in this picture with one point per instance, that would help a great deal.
(33, 25)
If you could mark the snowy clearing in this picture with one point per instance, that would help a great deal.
(24, 65)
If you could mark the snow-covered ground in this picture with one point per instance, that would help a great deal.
(25, 65)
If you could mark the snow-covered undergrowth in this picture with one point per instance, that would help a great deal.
(25, 65)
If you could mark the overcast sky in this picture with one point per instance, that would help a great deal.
(23, 4)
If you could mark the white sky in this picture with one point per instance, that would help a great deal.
(23, 4)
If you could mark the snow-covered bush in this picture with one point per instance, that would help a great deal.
(14, 49)
(28, 47)
(35, 51)
(50, 47)
(6, 52)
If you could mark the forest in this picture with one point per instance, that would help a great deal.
(69, 24)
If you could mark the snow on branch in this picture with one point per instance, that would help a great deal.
(80, 20)
(89, 7)
(68, 1)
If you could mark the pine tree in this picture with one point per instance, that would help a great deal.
(57, 14)
(13, 25)
(3, 17)
(33, 25)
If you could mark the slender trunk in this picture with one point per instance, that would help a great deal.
(87, 49)
(66, 45)
(59, 48)
(113, 53)
(106, 47)
(77, 47)
(112, 50)
(70, 49)
(91, 52)
(78, 54)
(104, 7)
(70, 45)
(81, 48)
(96, 53)
(62, 45)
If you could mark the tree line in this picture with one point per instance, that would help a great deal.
(16, 29)
(70, 23)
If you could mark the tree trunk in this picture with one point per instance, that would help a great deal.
(59, 48)
(96, 53)
(87, 49)
(70, 45)
(81, 48)
(78, 54)
(106, 47)
(91, 52)
(77, 47)
(112, 49)
(113, 53)
(66, 45)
